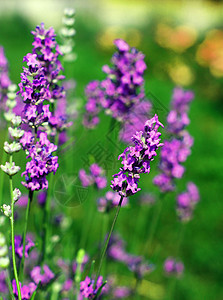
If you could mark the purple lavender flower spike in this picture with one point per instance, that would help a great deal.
(178, 148)
(187, 201)
(136, 160)
(48, 53)
(42, 161)
(178, 118)
(121, 90)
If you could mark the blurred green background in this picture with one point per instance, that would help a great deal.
(183, 44)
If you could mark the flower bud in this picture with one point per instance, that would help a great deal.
(3, 251)
(15, 132)
(2, 240)
(10, 169)
(16, 194)
(68, 21)
(11, 103)
(16, 121)
(12, 88)
(12, 148)
(69, 12)
(6, 209)
(80, 256)
(8, 116)
(4, 262)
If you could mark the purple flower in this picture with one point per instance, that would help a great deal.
(26, 290)
(87, 288)
(187, 201)
(47, 51)
(44, 275)
(172, 267)
(121, 90)
(42, 161)
(177, 117)
(96, 176)
(111, 199)
(177, 149)
(136, 160)
(19, 246)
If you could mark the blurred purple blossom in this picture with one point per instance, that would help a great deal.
(96, 176)
(87, 288)
(175, 150)
(187, 201)
(19, 246)
(173, 267)
(43, 275)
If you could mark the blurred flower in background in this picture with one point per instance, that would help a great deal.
(178, 39)
(210, 52)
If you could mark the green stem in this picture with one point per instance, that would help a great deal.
(108, 239)
(13, 236)
(2, 177)
(21, 267)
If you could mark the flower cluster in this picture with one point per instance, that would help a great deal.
(4, 78)
(177, 149)
(137, 158)
(173, 267)
(96, 176)
(42, 161)
(26, 290)
(19, 247)
(177, 118)
(87, 288)
(186, 202)
(44, 277)
(121, 90)
(111, 199)
(34, 90)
